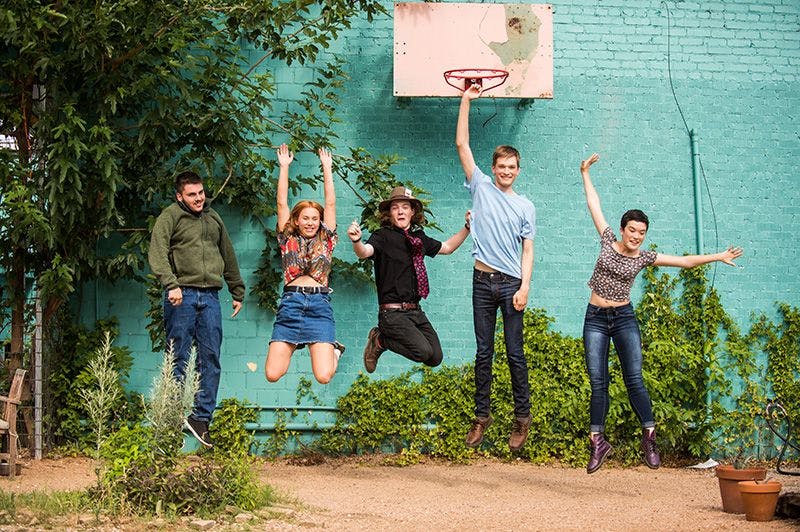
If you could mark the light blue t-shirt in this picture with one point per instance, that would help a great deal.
(498, 224)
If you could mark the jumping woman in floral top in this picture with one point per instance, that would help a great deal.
(307, 236)
(610, 316)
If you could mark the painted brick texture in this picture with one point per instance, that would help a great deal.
(735, 71)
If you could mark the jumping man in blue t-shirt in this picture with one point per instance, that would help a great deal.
(502, 223)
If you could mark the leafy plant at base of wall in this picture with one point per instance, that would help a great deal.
(276, 444)
(688, 366)
(228, 428)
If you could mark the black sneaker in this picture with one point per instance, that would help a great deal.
(338, 350)
(199, 430)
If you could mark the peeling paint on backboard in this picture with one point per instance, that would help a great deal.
(431, 38)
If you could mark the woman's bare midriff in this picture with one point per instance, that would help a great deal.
(600, 301)
(304, 280)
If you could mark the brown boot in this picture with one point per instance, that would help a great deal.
(475, 434)
(372, 350)
(519, 432)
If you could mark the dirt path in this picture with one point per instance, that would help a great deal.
(485, 495)
(493, 495)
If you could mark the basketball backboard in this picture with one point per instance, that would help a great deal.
(433, 38)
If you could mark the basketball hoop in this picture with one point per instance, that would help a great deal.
(475, 76)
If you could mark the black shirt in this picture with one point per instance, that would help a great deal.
(394, 268)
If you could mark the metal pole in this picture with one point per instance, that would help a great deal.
(37, 381)
(698, 203)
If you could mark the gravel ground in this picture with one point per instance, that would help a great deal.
(367, 494)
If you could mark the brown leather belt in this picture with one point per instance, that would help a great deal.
(398, 306)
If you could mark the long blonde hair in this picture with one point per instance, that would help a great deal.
(291, 225)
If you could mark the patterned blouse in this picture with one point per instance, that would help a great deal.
(614, 273)
(308, 256)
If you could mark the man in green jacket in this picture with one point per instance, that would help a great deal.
(190, 253)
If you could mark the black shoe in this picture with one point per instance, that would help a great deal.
(338, 347)
(199, 430)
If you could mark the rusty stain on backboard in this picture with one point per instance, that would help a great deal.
(431, 38)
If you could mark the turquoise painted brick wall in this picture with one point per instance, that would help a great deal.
(736, 74)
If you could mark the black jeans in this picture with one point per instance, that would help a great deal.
(491, 291)
(409, 333)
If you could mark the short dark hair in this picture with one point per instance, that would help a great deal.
(634, 215)
(504, 151)
(186, 178)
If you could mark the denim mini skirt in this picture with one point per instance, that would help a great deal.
(304, 319)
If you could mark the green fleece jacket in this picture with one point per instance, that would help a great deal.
(188, 249)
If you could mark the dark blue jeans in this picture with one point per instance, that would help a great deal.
(619, 324)
(491, 291)
(197, 319)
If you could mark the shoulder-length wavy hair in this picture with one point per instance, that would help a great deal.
(291, 225)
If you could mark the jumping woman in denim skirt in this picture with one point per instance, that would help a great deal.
(610, 316)
(307, 236)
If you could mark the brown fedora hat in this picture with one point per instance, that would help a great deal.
(401, 193)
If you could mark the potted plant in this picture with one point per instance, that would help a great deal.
(729, 477)
(759, 499)
(743, 430)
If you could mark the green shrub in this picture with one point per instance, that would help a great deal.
(706, 380)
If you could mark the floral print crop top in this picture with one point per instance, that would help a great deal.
(614, 272)
(308, 256)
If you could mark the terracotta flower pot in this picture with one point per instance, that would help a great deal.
(760, 499)
(729, 478)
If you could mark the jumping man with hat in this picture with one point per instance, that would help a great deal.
(398, 250)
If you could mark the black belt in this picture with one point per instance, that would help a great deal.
(398, 306)
(308, 289)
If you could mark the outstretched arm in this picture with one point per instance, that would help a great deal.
(285, 158)
(361, 249)
(462, 130)
(326, 161)
(690, 261)
(592, 199)
(452, 243)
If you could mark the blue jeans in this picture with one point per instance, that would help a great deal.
(491, 291)
(619, 324)
(198, 320)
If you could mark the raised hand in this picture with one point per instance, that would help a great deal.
(731, 253)
(285, 157)
(474, 91)
(354, 231)
(325, 158)
(589, 162)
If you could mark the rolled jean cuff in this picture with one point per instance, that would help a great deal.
(597, 428)
(649, 425)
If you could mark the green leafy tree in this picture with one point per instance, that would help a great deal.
(107, 101)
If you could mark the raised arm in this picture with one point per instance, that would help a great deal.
(690, 261)
(452, 243)
(362, 250)
(462, 130)
(592, 199)
(520, 298)
(285, 158)
(326, 161)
